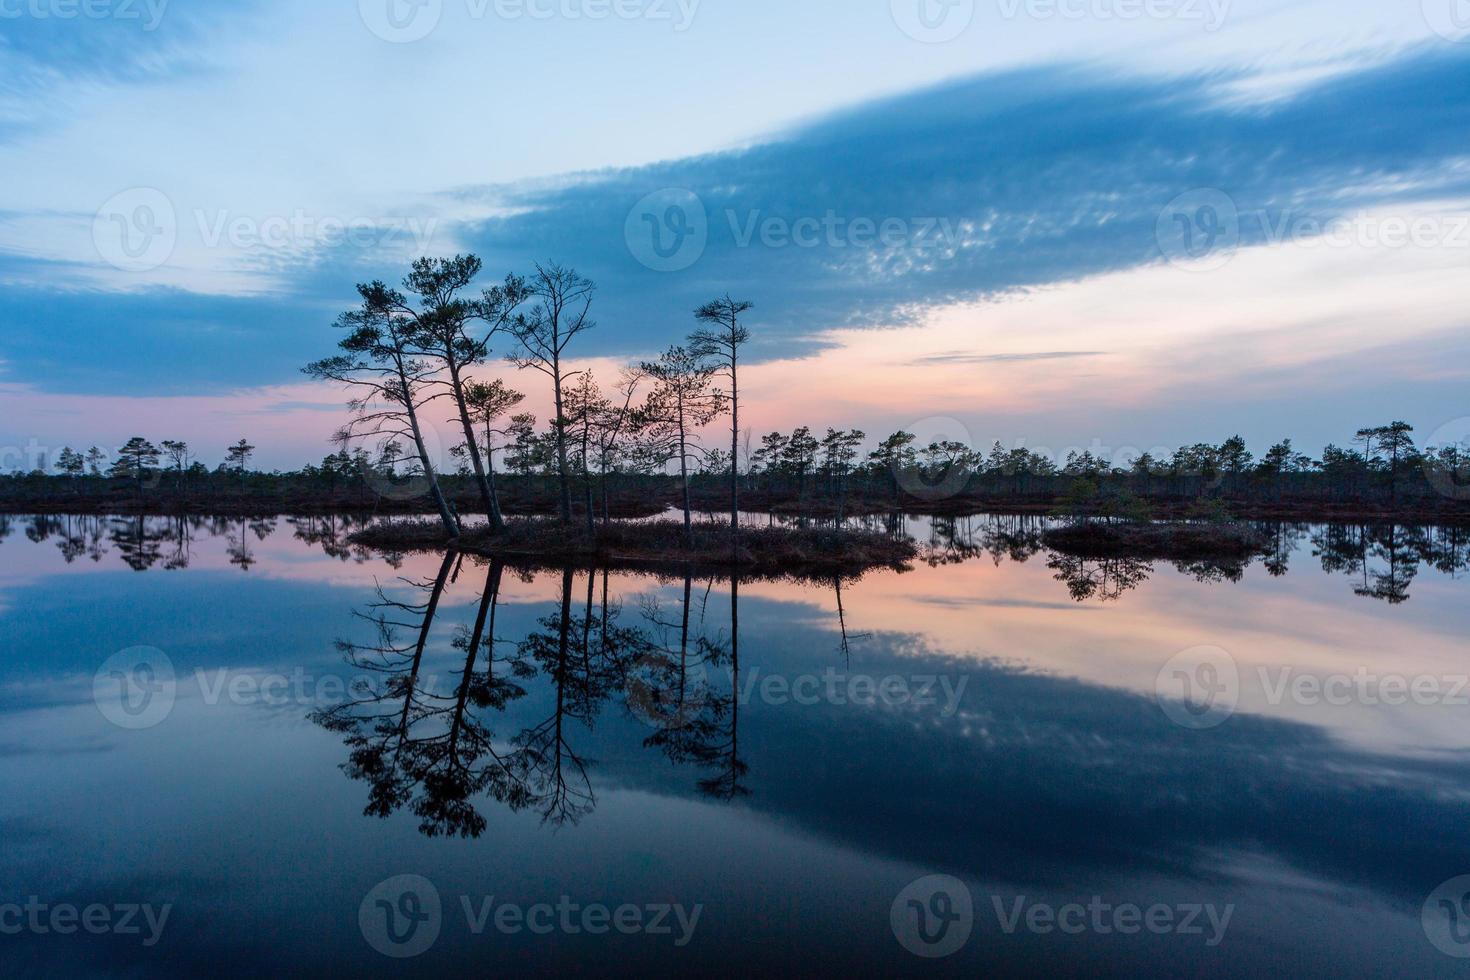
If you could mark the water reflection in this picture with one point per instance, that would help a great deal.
(435, 749)
(1035, 776)
(1381, 561)
(510, 704)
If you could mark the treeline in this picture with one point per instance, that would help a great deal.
(668, 431)
(1383, 466)
(832, 475)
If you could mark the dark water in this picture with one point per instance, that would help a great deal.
(258, 731)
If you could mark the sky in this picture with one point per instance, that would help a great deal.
(1115, 225)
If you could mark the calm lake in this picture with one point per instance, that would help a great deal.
(246, 748)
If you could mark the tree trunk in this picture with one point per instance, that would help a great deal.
(561, 446)
(684, 477)
(450, 524)
(487, 492)
(734, 448)
(587, 479)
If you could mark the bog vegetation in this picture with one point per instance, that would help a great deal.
(667, 432)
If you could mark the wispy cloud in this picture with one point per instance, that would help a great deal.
(995, 185)
(961, 357)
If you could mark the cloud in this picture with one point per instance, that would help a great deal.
(960, 357)
(870, 218)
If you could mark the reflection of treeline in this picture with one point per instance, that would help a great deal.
(440, 751)
(144, 543)
(1384, 559)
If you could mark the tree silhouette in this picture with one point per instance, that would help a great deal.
(387, 379)
(563, 304)
(455, 333)
(681, 401)
(720, 341)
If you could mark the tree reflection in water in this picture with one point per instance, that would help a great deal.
(1383, 560)
(433, 749)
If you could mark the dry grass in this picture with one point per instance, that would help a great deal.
(1170, 540)
(779, 551)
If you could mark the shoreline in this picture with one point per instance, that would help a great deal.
(654, 506)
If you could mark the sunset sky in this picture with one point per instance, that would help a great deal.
(1099, 224)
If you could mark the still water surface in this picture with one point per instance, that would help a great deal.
(256, 726)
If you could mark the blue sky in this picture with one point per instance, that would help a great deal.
(981, 213)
